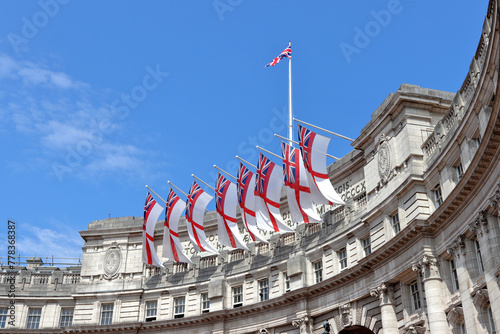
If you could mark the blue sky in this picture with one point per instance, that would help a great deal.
(100, 98)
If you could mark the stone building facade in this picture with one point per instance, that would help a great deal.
(416, 248)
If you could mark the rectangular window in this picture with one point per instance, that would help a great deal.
(66, 317)
(3, 317)
(34, 315)
(106, 314)
(454, 275)
(342, 255)
(151, 310)
(318, 271)
(415, 296)
(460, 171)
(395, 223)
(479, 258)
(366, 243)
(287, 281)
(264, 289)
(179, 307)
(438, 196)
(205, 303)
(237, 296)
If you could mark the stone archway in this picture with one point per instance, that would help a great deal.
(356, 330)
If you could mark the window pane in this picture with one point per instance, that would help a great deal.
(264, 289)
(3, 317)
(106, 314)
(66, 317)
(34, 315)
(318, 271)
(205, 303)
(179, 306)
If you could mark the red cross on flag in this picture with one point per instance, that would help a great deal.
(197, 202)
(313, 148)
(246, 200)
(297, 187)
(225, 204)
(172, 248)
(152, 211)
(268, 186)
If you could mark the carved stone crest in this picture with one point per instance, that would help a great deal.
(112, 261)
(384, 159)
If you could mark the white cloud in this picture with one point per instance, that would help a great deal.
(46, 242)
(58, 116)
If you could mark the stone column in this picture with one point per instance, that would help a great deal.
(487, 230)
(385, 293)
(470, 314)
(434, 294)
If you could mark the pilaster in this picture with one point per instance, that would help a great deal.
(460, 249)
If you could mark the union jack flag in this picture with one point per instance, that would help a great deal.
(194, 193)
(171, 201)
(244, 177)
(290, 164)
(306, 138)
(286, 53)
(264, 170)
(220, 192)
(148, 207)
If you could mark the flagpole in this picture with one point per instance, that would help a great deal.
(203, 182)
(273, 154)
(297, 143)
(173, 185)
(223, 171)
(290, 124)
(156, 194)
(317, 127)
(248, 163)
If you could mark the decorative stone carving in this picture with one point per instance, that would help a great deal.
(456, 315)
(495, 200)
(346, 315)
(414, 329)
(479, 225)
(385, 292)
(384, 159)
(481, 299)
(263, 331)
(428, 267)
(457, 248)
(302, 324)
(112, 261)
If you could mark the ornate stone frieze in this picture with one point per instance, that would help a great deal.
(456, 315)
(302, 324)
(112, 261)
(428, 267)
(457, 247)
(481, 298)
(480, 225)
(385, 292)
(263, 331)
